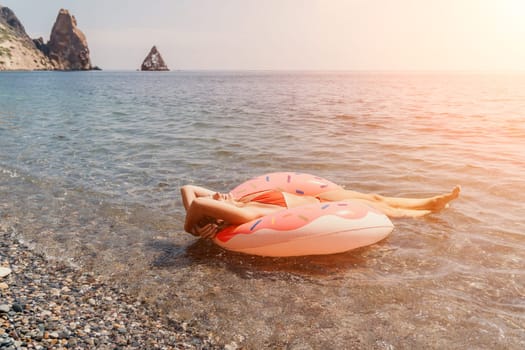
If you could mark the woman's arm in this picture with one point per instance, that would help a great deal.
(190, 192)
(202, 208)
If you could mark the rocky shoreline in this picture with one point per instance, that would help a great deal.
(47, 304)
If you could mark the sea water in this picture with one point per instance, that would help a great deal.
(91, 164)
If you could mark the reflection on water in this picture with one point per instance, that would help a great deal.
(91, 166)
(207, 253)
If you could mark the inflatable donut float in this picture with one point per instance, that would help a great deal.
(312, 229)
(295, 183)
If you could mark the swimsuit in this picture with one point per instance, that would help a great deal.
(270, 197)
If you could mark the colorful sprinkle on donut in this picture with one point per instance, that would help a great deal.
(255, 224)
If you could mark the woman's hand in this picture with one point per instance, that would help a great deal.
(207, 231)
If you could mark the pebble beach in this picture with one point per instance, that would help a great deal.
(47, 304)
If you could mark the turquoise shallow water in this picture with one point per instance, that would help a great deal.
(91, 164)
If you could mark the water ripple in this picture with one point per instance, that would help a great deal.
(91, 165)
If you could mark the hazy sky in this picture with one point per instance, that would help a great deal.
(294, 34)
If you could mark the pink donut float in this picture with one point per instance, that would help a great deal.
(296, 183)
(312, 229)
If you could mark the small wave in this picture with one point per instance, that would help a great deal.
(60, 138)
(224, 153)
(119, 113)
(345, 117)
(9, 172)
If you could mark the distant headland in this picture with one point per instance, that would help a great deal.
(66, 50)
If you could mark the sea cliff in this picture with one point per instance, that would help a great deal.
(67, 48)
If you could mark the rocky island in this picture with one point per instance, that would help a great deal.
(67, 48)
(154, 61)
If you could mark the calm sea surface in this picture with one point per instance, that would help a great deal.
(91, 164)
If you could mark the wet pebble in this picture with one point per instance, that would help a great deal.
(4, 308)
(4, 271)
(17, 307)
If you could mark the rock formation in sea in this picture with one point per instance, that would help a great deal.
(17, 50)
(154, 61)
(67, 48)
(67, 44)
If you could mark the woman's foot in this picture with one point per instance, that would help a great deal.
(440, 202)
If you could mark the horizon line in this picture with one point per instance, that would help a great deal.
(284, 70)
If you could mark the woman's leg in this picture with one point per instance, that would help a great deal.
(433, 204)
(393, 212)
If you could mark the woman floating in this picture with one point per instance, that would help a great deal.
(207, 211)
